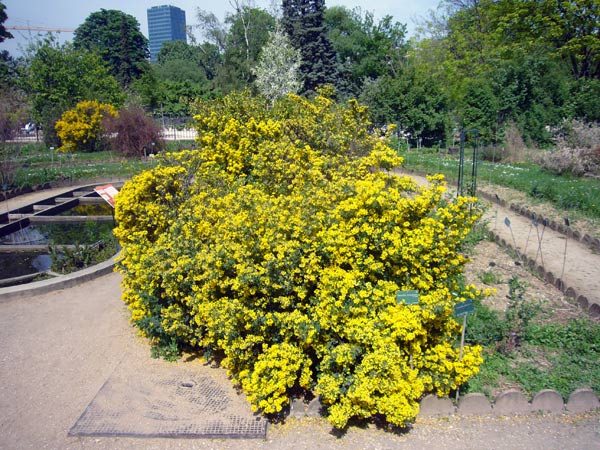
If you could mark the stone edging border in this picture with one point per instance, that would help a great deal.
(586, 239)
(592, 307)
(509, 402)
(61, 282)
(569, 291)
(12, 193)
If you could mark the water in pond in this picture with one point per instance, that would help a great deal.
(21, 264)
(83, 233)
(99, 209)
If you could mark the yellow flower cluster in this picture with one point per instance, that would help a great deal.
(281, 244)
(80, 128)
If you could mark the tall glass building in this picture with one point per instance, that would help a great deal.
(165, 23)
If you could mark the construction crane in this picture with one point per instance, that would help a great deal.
(53, 30)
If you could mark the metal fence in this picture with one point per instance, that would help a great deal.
(167, 133)
(177, 134)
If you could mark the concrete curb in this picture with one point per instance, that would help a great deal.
(54, 284)
(507, 403)
(510, 402)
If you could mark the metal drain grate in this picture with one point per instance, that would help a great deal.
(172, 405)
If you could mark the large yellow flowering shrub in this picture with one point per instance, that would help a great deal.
(280, 245)
(83, 127)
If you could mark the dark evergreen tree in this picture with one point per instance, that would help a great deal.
(303, 21)
(117, 38)
(3, 33)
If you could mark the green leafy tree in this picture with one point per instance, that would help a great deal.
(185, 72)
(415, 102)
(248, 33)
(521, 62)
(479, 109)
(304, 23)
(368, 48)
(571, 29)
(148, 89)
(211, 29)
(181, 73)
(232, 47)
(60, 76)
(277, 68)
(585, 94)
(178, 96)
(178, 61)
(533, 91)
(117, 38)
(205, 60)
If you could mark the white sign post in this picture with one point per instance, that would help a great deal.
(108, 193)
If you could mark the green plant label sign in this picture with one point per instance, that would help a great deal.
(408, 297)
(464, 308)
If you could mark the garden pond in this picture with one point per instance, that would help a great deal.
(38, 239)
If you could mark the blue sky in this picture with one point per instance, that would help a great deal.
(71, 13)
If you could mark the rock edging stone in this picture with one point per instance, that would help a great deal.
(569, 291)
(510, 402)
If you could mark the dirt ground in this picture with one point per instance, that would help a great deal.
(58, 349)
(488, 258)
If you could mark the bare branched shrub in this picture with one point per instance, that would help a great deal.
(577, 134)
(13, 110)
(135, 134)
(8, 166)
(515, 149)
(577, 150)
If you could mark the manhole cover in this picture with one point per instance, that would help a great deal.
(174, 403)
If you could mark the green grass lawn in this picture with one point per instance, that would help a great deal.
(563, 357)
(564, 192)
(34, 164)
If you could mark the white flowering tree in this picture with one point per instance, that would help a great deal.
(277, 68)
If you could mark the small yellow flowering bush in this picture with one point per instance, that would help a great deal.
(82, 128)
(280, 246)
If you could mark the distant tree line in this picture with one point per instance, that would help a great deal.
(492, 65)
